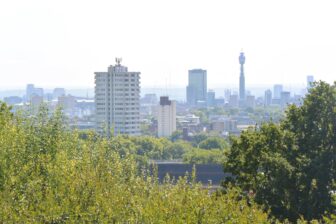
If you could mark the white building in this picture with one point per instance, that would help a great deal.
(117, 100)
(166, 117)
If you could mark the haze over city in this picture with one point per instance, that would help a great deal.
(63, 44)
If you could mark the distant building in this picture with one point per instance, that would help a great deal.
(297, 99)
(211, 98)
(276, 101)
(166, 117)
(188, 120)
(268, 98)
(11, 100)
(285, 98)
(31, 90)
(48, 97)
(227, 94)
(149, 98)
(197, 86)
(36, 101)
(242, 77)
(277, 91)
(68, 103)
(222, 125)
(58, 92)
(310, 81)
(233, 101)
(117, 100)
(219, 101)
(250, 101)
(39, 92)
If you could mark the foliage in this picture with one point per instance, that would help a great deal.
(291, 167)
(203, 114)
(203, 156)
(51, 175)
(213, 143)
(198, 138)
(176, 135)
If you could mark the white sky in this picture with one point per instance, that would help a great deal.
(61, 43)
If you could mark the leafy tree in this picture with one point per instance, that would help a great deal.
(178, 149)
(203, 115)
(177, 135)
(213, 143)
(202, 156)
(198, 138)
(51, 174)
(291, 167)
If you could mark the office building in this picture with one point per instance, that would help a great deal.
(211, 98)
(166, 117)
(150, 99)
(197, 87)
(58, 92)
(310, 81)
(242, 77)
(35, 101)
(11, 100)
(285, 98)
(117, 100)
(250, 101)
(68, 104)
(268, 98)
(31, 90)
(234, 101)
(227, 94)
(277, 91)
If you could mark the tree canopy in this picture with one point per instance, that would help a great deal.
(50, 174)
(291, 167)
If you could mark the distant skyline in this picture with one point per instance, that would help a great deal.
(62, 43)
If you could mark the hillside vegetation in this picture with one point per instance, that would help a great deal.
(49, 174)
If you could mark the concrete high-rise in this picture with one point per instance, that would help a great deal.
(166, 117)
(242, 77)
(197, 86)
(117, 100)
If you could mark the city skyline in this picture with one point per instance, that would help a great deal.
(68, 45)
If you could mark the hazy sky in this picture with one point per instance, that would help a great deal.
(61, 43)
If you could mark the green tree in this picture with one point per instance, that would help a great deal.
(291, 167)
(213, 143)
(203, 156)
(176, 135)
(197, 138)
(51, 174)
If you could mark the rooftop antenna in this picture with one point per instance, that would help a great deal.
(118, 61)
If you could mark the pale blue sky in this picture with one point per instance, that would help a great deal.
(61, 43)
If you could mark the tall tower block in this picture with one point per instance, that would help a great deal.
(242, 77)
